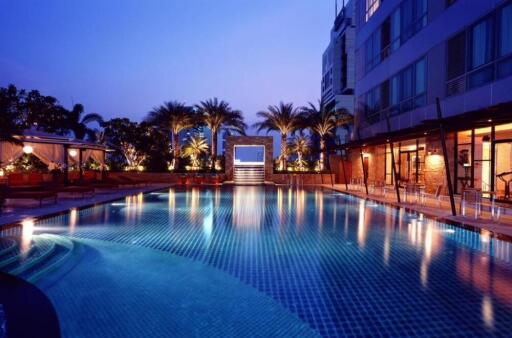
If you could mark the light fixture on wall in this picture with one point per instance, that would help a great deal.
(486, 139)
(28, 149)
(72, 152)
(433, 151)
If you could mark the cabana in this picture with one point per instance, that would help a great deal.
(55, 151)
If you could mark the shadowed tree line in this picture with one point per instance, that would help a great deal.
(154, 144)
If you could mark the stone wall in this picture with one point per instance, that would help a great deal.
(229, 152)
(434, 171)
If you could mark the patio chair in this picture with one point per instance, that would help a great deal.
(471, 197)
(411, 193)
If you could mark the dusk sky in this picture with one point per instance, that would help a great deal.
(123, 57)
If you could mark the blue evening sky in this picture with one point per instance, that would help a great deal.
(123, 57)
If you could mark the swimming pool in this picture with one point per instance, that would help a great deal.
(267, 261)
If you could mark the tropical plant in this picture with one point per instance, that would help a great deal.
(283, 118)
(10, 119)
(196, 146)
(137, 145)
(173, 117)
(44, 113)
(321, 122)
(216, 115)
(79, 125)
(300, 146)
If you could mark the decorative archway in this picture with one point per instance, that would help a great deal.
(234, 142)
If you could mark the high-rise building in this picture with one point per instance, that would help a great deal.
(411, 53)
(338, 71)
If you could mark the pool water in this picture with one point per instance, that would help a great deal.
(266, 261)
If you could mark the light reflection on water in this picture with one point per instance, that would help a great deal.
(330, 232)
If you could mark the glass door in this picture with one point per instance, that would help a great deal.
(503, 174)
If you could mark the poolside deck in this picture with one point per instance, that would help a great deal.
(441, 211)
(22, 210)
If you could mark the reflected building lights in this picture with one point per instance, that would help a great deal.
(248, 207)
(194, 204)
(208, 224)
(27, 232)
(300, 205)
(279, 205)
(487, 312)
(361, 225)
(73, 220)
(319, 208)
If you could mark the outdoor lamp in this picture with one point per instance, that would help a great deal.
(28, 149)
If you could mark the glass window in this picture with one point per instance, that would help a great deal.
(371, 8)
(505, 32)
(395, 29)
(420, 15)
(464, 161)
(482, 160)
(394, 90)
(420, 77)
(481, 43)
(407, 19)
(406, 84)
(456, 56)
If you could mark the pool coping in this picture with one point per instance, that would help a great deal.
(67, 210)
(442, 219)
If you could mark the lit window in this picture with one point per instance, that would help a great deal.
(371, 8)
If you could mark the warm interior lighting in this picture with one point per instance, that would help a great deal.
(72, 153)
(28, 149)
(2, 172)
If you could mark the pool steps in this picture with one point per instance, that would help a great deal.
(45, 254)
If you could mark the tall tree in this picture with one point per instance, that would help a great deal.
(321, 122)
(173, 117)
(79, 125)
(11, 122)
(283, 118)
(219, 114)
(44, 113)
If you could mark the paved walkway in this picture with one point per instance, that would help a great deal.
(14, 213)
(441, 211)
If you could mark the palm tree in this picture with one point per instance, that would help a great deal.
(196, 146)
(78, 124)
(300, 146)
(216, 115)
(173, 117)
(321, 122)
(283, 118)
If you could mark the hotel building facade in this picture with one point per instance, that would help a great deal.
(409, 54)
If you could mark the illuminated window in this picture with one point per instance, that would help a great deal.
(371, 8)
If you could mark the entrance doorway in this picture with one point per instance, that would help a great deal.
(249, 164)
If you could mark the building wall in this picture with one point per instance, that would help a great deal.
(337, 66)
(431, 41)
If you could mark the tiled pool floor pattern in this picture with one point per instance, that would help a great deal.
(344, 266)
